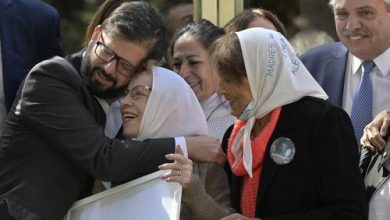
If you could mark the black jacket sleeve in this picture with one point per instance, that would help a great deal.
(59, 108)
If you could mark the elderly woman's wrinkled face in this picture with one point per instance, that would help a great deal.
(238, 93)
(191, 61)
(134, 103)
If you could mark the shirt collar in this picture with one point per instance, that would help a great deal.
(105, 105)
(380, 61)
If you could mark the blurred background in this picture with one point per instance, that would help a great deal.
(297, 15)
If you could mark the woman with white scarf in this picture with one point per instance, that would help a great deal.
(292, 154)
(158, 104)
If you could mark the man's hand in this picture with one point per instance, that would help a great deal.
(237, 216)
(374, 132)
(205, 149)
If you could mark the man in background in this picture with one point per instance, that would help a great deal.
(355, 73)
(29, 33)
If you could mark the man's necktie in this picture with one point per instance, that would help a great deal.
(361, 113)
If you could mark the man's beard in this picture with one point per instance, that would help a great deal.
(94, 86)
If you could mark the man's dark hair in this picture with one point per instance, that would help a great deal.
(139, 22)
(104, 10)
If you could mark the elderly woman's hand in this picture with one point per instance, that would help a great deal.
(374, 132)
(237, 216)
(180, 169)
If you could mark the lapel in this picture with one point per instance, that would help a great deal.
(334, 72)
(75, 60)
(270, 168)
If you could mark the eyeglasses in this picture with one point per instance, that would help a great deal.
(107, 55)
(138, 92)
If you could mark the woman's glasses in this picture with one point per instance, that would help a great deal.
(138, 92)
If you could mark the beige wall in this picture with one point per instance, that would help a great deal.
(217, 11)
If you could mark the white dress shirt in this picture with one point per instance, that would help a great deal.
(380, 77)
(113, 117)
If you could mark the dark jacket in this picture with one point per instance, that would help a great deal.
(327, 64)
(53, 145)
(29, 33)
(322, 182)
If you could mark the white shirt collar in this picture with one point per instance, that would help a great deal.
(381, 62)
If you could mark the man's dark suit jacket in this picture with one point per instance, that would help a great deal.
(53, 145)
(322, 182)
(327, 64)
(29, 33)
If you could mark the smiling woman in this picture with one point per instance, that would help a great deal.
(134, 103)
(279, 149)
(191, 61)
(158, 104)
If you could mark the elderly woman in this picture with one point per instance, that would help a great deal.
(292, 154)
(160, 104)
(191, 61)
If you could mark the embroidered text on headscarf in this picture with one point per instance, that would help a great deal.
(276, 77)
(271, 61)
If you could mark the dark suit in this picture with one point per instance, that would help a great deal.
(54, 146)
(322, 182)
(29, 33)
(327, 64)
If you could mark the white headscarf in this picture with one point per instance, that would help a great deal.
(276, 77)
(172, 109)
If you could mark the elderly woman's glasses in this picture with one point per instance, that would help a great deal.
(107, 55)
(138, 92)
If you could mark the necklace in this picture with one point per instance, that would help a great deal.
(212, 112)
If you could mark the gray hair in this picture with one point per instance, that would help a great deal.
(387, 2)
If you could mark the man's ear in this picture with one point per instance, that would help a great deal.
(96, 34)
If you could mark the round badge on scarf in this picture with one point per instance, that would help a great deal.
(282, 151)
